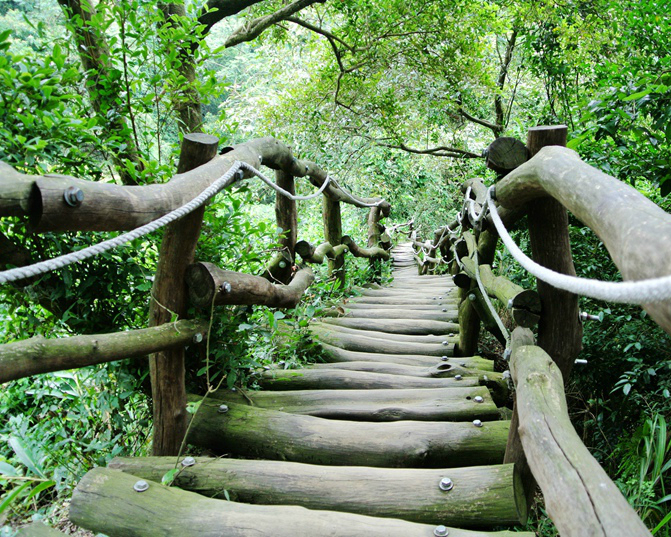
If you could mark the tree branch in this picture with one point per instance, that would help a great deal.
(252, 29)
(319, 30)
(439, 151)
(217, 10)
(496, 129)
(503, 74)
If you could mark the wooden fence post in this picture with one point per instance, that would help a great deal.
(287, 220)
(333, 235)
(559, 329)
(169, 297)
(374, 239)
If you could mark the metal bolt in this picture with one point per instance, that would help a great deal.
(510, 304)
(282, 264)
(506, 354)
(581, 361)
(492, 192)
(485, 378)
(472, 297)
(226, 287)
(261, 159)
(434, 298)
(584, 316)
(307, 169)
(457, 377)
(441, 531)
(463, 364)
(444, 310)
(222, 409)
(446, 484)
(197, 338)
(140, 486)
(477, 423)
(440, 297)
(239, 174)
(443, 358)
(73, 196)
(188, 461)
(478, 399)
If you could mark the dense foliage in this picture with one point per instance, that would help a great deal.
(396, 99)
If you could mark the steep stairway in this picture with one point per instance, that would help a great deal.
(392, 436)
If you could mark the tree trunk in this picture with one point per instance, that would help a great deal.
(287, 221)
(333, 235)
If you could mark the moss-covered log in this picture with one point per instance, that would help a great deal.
(207, 282)
(336, 354)
(39, 355)
(579, 496)
(482, 496)
(399, 326)
(105, 502)
(438, 404)
(334, 379)
(269, 434)
(373, 252)
(37, 529)
(312, 254)
(356, 342)
(440, 369)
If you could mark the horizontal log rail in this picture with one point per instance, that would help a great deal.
(317, 254)
(110, 207)
(635, 231)
(40, 355)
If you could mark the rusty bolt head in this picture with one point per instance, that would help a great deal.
(73, 196)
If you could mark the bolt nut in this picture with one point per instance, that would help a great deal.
(282, 264)
(478, 399)
(458, 377)
(463, 364)
(140, 486)
(188, 461)
(446, 484)
(506, 354)
(477, 423)
(472, 297)
(222, 409)
(435, 298)
(440, 297)
(510, 304)
(445, 343)
(443, 358)
(441, 531)
(73, 196)
(239, 175)
(198, 337)
(444, 310)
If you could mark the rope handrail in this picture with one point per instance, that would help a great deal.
(42, 267)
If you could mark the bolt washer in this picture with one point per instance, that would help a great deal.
(441, 531)
(222, 409)
(446, 484)
(188, 461)
(140, 486)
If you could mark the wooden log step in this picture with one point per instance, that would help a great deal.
(337, 379)
(353, 342)
(449, 404)
(432, 308)
(270, 434)
(410, 494)
(442, 339)
(105, 502)
(398, 326)
(409, 291)
(454, 366)
(402, 301)
(336, 354)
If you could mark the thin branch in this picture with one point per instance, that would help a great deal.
(252, 29)
(319, 30)
(496, 129)
(439, 151)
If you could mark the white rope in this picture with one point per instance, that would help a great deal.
(355, 200)
(631, 292)
(279, 189)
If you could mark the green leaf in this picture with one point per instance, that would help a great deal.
(25, 455)
(8, 469)
(169, 477)
(637, 95)
(39, 488)
(12, 496)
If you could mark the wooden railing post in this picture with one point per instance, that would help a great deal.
(374, 239)
(333, 235)
(287, 220)
(559, 329)
(169, 297)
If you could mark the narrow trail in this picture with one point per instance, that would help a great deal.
(394, 436)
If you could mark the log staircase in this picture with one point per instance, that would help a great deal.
(393, 436)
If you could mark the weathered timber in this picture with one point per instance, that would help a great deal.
(15, 189)
(520, 337)
(312, 254)
(104, 502)
(397, 300)
(440, 369)
(611, 208)
(398, 326)
(505, 154)
(409, 291)
(208, 283)
(372, 252)
(355, 342)
(40, 355)
(483, 496)
(333, 379)
(388, 312)
(333, 234)
(422, 444)
(559, 329)
(525, 304)
(420, 404)
(278, 266)
(37, 529)
(286, 217)
(486, 316)
(110, 207)
(579, 496)
(388, 336)
(335, 354)
(169, 298)
(469, 324)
